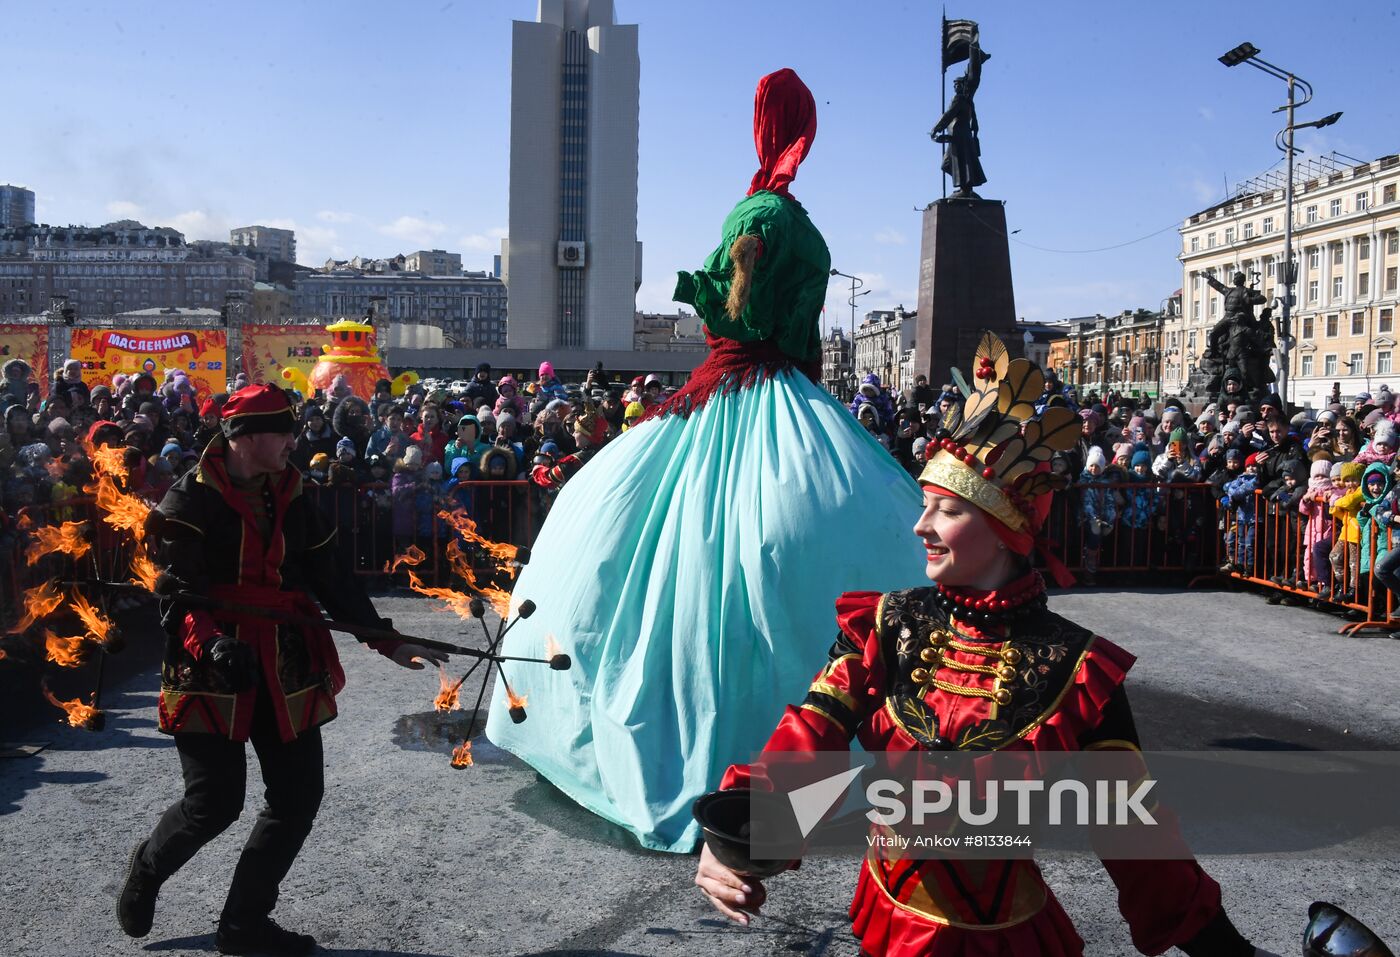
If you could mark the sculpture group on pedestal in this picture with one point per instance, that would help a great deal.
(1236, 358)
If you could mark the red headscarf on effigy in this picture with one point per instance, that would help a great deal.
(784, 125)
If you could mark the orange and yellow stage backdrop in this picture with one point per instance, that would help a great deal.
(267, 350)
(201, 353)
(30, 343)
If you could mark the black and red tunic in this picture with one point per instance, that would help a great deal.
(267, 548)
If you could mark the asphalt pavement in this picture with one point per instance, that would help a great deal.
(413, 857)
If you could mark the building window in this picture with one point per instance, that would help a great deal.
(1269, 268)
(1214, 307)
(1195, 244)
(1356, 365)
(1312, 290)
(1392, 245)
(1358, 323)
(1363, 284)
(1248, 230)
(1332, 324)
(1307, 327)
(1335, 208)
(1310, 214)
(1229, 235)
(1336, 288)
(1329, 364)
(1383, 362)
(1314, 258)
(1195, 308)
(1268, 225)
(1391, 279)
(1210, 240)
(1385, 320)
(1307, 366)
(1363, 201)
(1363, 247)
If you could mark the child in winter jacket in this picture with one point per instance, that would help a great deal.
(1098, 511)
(1345, 552)
(1239, 540)
(1316, 505)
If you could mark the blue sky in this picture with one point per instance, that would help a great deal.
(374, 128)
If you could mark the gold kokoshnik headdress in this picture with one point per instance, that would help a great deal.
(996, 453)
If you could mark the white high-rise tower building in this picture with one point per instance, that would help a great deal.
(572, 262)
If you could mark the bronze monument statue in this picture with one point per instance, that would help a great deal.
(957, 128)
(1239, 346)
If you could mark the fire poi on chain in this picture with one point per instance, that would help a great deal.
(125, 514)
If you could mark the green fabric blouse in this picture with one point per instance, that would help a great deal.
(789, 283)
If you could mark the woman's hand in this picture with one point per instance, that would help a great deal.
(731, 893)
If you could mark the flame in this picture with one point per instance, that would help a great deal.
(66, 539)
(99, 627)
(38, 602)
(79, 715)
(66, 652)
(551, 646)
(144, 571)
(446, 699)
(514, 700)
(463, 525)
(458, 602)
(120, 510)
(2, 654)
(462, 755)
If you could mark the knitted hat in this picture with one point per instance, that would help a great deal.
(1141, 458)
(1296, 468)
(634, 410)
(1089, 415)
(546, 370)
(209, 408)
(1096, 457)
(170, 447)
(1233, 453)
(1122, 450)
(258, 408)
(1335, 472)
(433, 470)
(1251, 459)
(1327, 417)
(413, 457)
(346, 444)
(1385, 433)
(1322, 469)
(1352, 471)
(1362, 397)
(917, 448)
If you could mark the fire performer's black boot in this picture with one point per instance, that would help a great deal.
(261, 935)
(136, 905)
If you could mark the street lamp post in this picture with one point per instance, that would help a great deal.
(856, 283)
(1249, 53)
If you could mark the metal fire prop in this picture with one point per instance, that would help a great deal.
(497, 561)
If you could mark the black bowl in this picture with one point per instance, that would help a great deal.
(726, 820)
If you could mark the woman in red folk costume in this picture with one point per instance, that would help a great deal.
(978, 663)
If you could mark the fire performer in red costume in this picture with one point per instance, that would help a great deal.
(978, 663)
(238, 530)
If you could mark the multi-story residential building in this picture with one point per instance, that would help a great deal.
(279, 245)
(1347, 251)
(433, 262)
(470, 308)
(668, 332)
(116, 268)
(272, 304)
(880, 344)
(16, 206)
(572, 260)
(1101, 354)
(1037, 338)
(838, 367)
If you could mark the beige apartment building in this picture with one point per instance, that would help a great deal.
(1346, 241)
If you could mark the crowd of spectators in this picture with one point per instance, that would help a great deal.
(386, 466)
(1307, 498)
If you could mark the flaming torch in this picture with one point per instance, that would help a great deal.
(516, 703)
(67, 539)
(462, 755)
(80, 715)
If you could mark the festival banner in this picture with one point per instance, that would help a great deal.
(201, 354)
(267, 350)
(30, 343)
